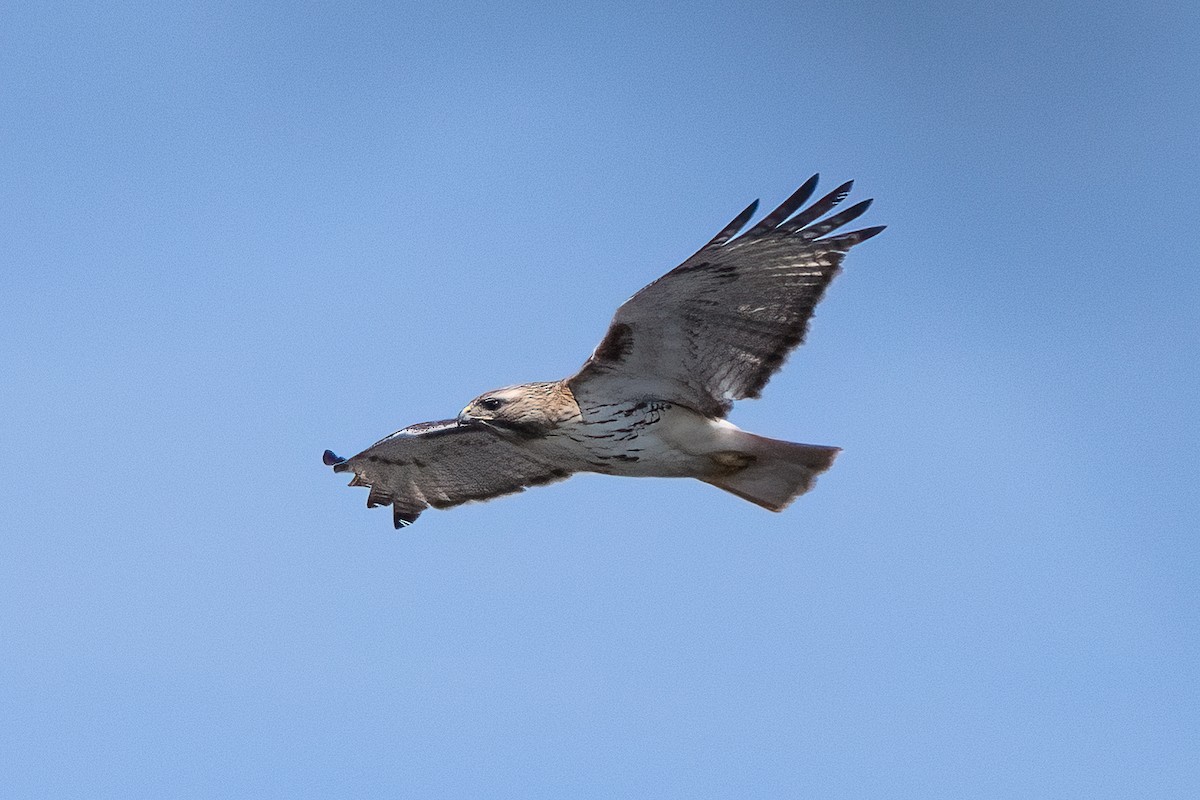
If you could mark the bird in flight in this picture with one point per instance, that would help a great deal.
(652, 398)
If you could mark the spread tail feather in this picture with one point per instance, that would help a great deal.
(769, 472)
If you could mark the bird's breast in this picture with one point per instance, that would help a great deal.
(629, 438)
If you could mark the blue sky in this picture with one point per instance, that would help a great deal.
(235, 234)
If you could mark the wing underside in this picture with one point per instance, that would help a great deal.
(715, 328)
(441, 465)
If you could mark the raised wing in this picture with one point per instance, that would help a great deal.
(440, 465)
(715, 328)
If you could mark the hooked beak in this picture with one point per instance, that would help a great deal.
(464, 418)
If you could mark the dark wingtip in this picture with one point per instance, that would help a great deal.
(844, 241)
(788, 207)
(731, 230)
(867, 233)
(331, 458)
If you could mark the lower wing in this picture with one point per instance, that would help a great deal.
(440, 465)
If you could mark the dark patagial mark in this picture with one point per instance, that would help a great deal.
(617, 344)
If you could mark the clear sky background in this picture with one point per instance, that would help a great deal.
(235, 234)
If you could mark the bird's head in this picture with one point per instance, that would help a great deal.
(530, 409)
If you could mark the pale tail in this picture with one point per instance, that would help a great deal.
(777, 473)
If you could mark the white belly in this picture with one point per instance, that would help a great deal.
(647, 439)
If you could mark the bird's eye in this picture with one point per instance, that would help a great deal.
(491, 404)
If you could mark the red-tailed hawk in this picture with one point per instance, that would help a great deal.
(652, 399)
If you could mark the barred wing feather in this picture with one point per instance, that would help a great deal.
(440, 465)
(718, 326)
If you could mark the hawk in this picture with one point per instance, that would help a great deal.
(653, 397)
